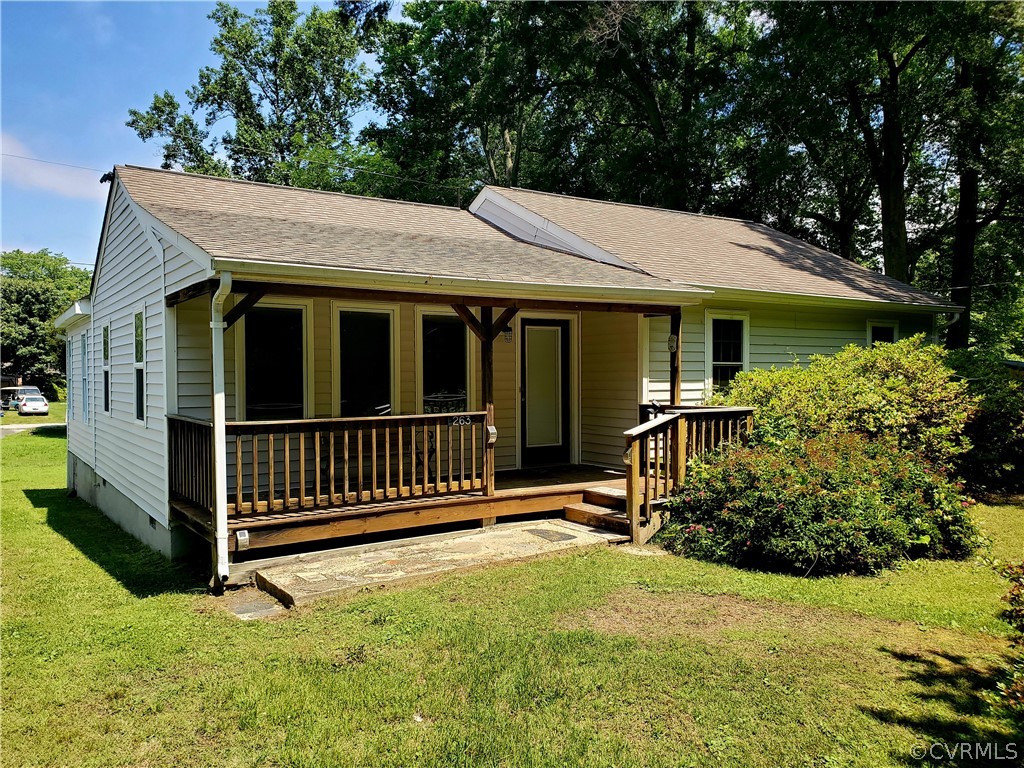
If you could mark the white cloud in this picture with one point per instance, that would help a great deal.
(20, 170)
(98, 24)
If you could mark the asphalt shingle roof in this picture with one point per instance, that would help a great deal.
(713, 252)
(233, 219)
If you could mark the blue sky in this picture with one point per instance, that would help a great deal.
(70, 72)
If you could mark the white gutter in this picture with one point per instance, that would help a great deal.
(220, 459)
(722, 293)
(303, 274)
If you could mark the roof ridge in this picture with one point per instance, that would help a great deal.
(172, 172)
(630, 205)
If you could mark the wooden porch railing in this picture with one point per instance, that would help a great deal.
(190, 460)
(316, 463)
(277, 466)
(657, 451)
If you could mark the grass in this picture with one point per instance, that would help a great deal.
(112, 656)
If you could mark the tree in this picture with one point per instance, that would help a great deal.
(622, 101)
(986, 110)
(287, 85)
(36, 287)
(877, 63)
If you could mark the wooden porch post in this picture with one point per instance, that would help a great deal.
(677, 432)
(487, 397)
(676, 363)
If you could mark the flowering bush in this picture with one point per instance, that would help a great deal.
(836, 504)
(902, 391)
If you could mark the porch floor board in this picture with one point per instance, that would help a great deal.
(546, 489)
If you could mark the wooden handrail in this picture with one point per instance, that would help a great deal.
(325, 463)
(353, 422)
(188, 419)
(657, 452)
(650, 426)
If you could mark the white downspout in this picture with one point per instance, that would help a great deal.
(220, 460)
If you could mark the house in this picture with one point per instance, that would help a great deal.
(260, 365)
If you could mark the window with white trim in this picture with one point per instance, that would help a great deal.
(881, 332)
(140, 366)
(84, 373)
(726, 344)
(106, 369)
(69, 366)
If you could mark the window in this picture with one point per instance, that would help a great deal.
(365, 376)
(725, 348)
(69, 366)
(106, 369)
(881, 333)
(85, 378)
(274, 364)
(445, 354)
(140, 367)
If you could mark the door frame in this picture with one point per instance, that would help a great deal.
(574, 381)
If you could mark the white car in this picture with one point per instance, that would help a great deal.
(34, 405)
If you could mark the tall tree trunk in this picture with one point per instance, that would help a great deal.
(966, 227)
(891, 176)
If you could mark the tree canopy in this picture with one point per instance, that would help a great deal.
(35, 287)
(889, 133)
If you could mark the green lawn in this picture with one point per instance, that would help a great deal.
(113, 657)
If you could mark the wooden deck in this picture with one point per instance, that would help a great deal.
(542, 490)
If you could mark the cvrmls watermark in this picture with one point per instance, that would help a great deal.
(967, 750)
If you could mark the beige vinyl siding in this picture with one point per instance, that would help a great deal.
(128, 453)
(406, 359)
(323, 395)
(506, 395)
(609, 395)
(778, 337)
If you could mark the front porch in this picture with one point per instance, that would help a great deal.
(291, 482)
(384, 383)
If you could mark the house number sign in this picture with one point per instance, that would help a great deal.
(460, 421)
(673, 342)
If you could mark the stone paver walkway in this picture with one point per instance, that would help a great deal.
(302, 580)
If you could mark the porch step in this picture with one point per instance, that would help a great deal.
(606, 496)
(597, 517)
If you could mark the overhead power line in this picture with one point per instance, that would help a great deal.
(51, 162)
(268, 155)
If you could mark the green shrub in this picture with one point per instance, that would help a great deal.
(836, 504)
(56, 390)
(903, 391)
(996, 459)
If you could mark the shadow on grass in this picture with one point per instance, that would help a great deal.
(58, 431)
(955, 691)
(139, 569)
